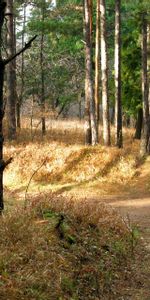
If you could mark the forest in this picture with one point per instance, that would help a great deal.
(74, 149)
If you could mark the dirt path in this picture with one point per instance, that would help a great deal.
(138, 212)
(134, 204)
(136, 207)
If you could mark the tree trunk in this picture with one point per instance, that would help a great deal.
(139, 124)
(146, 126)
(90, 120)
(42, 76)
(1, 124)
(11, 94)
(15, 78)
(104, 71)
(148, 63)
(20, 98)
(2, 68)
(97, 62)
(117, 68)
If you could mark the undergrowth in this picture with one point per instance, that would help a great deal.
(61, 249)
(69, 164)
(65, 248)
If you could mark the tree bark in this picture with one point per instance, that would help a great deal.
(20, 98)
(117, 68)
(139, 124)
(146, 126)
(97, 62)
(11, 92)
(91, 136)
(148, 62)
(104, 71)
(42, 75)
(2, 69)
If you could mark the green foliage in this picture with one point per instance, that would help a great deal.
(63, 51)
(131, 72)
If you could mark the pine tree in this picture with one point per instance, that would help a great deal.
(117, 68)
(11, 92)
(104, 76)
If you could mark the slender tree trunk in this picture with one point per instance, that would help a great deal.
(1, 120)
(11, 94)
(42, 76)
(90, 120)
(146, 126)
(2, 69)
(104, 71)
(139, 124)
(15, 75)
(20, 98)
(117, 68)
(148, 62)
(87, 33)
(97, 61)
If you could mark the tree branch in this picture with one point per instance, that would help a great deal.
(27, 46)
(4, 164)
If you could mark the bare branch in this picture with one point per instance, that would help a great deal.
(4, 164)
(27, 46)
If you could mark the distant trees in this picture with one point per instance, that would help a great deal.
(128, 95)
(53, 74)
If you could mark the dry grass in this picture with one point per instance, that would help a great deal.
(62, 248)
(87, 257)
(68, 164)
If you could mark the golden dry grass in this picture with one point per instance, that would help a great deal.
(64, 163)
(90, 255)
(87, 257)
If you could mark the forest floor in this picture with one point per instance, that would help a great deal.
(134, 204)
(117, 178)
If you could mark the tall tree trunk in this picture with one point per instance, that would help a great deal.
(117, 68)
(20, 98)
(42, 75)
(104, 71)
(11, 94)
(148, 62)
(146, 126)
(87, 33)
(15, 70)
(97, 61)
(1, 107)
(139, 124)
(91, 136)
(2, 69)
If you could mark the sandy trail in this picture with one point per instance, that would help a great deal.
(137, 210)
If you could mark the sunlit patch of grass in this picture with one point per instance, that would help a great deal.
(60, 161)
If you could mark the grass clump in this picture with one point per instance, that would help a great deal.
(62, 249)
